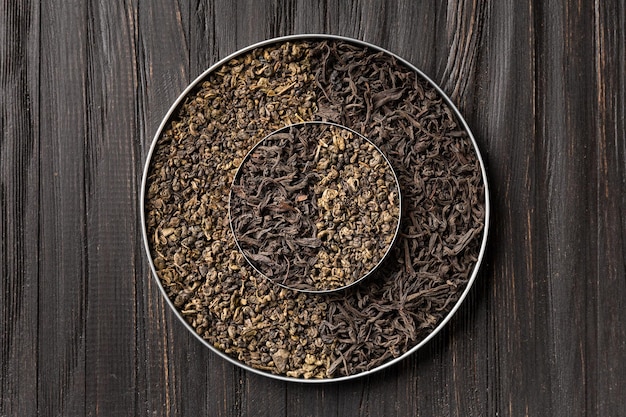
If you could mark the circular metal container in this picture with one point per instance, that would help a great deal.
(460, 120)
(368, 272)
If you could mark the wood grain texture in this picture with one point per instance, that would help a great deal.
(19, 207)
(85, 330)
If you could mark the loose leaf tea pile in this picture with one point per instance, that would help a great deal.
(315, 207)
(287, 332)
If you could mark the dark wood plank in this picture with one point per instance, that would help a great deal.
(63, 251)
(111, 156)
(515, 348)
(607, 278)
(565, 49)
(19, 206)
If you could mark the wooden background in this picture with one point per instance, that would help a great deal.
(86, 332)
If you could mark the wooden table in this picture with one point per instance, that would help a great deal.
(85, 330)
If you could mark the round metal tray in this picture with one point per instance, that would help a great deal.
(481, 237)
(378, 261)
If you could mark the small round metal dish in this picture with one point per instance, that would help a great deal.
(317, 207)
(291, 335)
